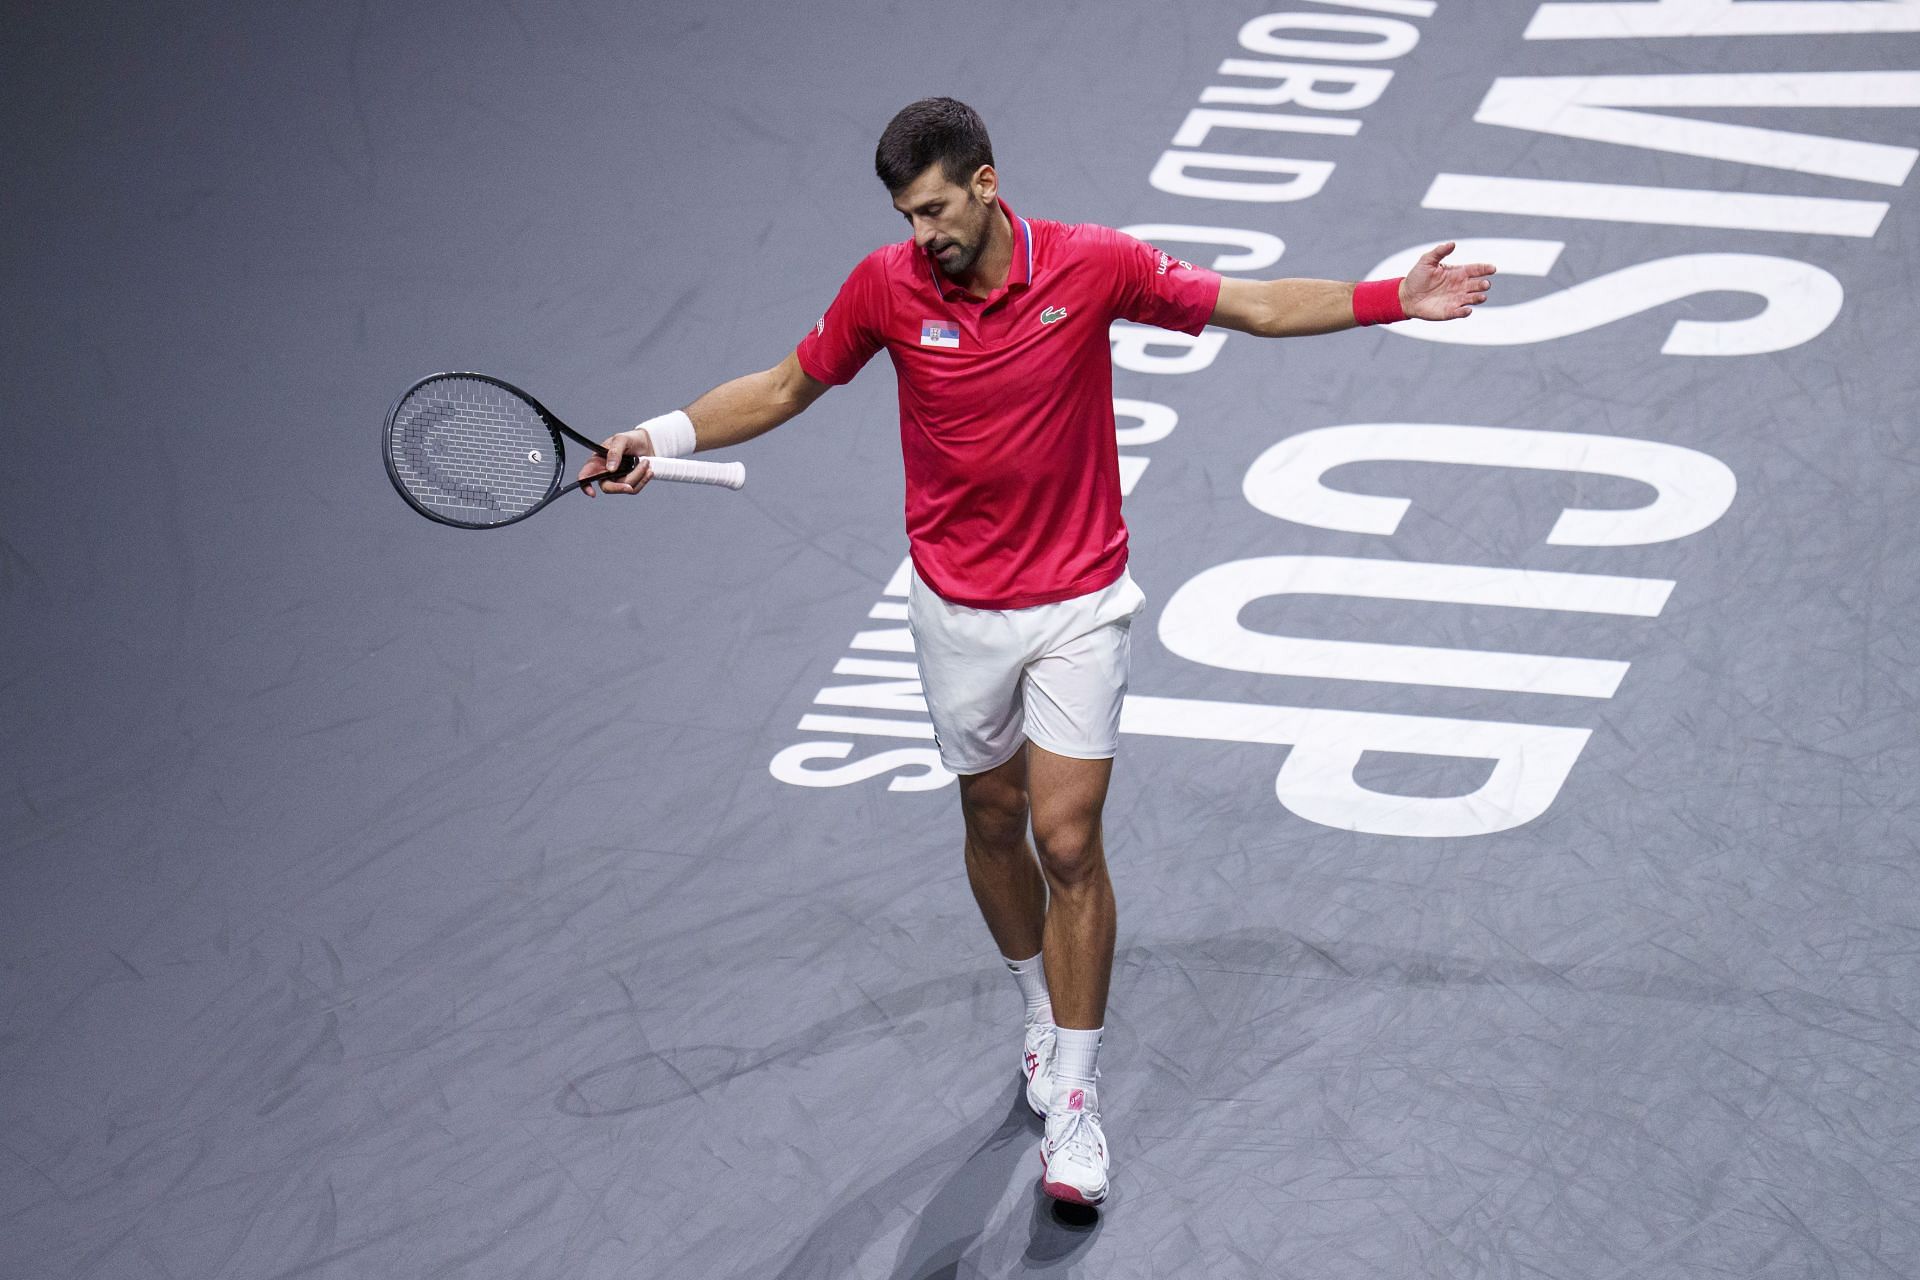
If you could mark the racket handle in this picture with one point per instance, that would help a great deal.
(728, 475)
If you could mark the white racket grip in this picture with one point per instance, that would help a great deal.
(728, 475)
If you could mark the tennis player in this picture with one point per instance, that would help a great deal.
(1020, 604)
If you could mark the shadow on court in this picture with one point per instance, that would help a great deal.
(983, 1161)
(956, 1190)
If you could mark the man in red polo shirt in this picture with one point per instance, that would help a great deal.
(1020, 605)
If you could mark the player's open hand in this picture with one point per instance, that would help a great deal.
(1437, 290)
(624, 466)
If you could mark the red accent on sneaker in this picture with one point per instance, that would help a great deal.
(1076, 1099)
(1062, 1190)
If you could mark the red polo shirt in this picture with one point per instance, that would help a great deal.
(1006, 402)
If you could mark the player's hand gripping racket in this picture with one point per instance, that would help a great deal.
(472, 451)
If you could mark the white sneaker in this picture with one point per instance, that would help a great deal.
(1037, 1057)
(1073, 1155)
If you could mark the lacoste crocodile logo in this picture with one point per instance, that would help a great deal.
(1052, 314)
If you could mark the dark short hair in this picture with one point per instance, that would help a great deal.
(942, 131)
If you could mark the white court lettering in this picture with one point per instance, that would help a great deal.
(1653, 19)
(1655, 206)
(1202, 121)
(1300, 85)
(1531, 762)
(1202, 622)
(1387, 38)
(1135, 347)
(1157, 422)
(1613, 109)
(1172, 173)
(1802, 300)
(793, 766)
(1258, 249)
(1691, 489)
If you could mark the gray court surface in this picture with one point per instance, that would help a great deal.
(382, 900)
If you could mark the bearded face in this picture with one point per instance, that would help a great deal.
(949, 221)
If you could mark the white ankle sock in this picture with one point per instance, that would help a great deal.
(1032, 977)
(1077, 1053)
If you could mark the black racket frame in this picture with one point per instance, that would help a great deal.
(555, 427)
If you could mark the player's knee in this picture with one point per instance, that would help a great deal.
(999, 830)
(1070, 851)
(996, 815)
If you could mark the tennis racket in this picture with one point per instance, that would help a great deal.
(475, 452)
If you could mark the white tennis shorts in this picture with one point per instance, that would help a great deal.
(1052, 673)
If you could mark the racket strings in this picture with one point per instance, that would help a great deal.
(472, 452)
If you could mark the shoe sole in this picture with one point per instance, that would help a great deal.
(1067, 1191)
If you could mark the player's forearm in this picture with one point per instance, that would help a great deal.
(1433, 290)
(737, 411)
(1296, 308)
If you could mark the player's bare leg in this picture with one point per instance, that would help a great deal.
(1001, 866)
(1067, 796)
(1054, 895)
(1061, 898)
(1007, 884)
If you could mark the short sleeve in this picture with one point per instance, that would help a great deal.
(845, 338)
(1157, 288)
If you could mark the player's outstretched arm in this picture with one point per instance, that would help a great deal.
(732, 413)
(1433, 290)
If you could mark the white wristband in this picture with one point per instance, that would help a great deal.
(671, 433)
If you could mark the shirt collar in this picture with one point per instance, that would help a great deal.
(1019, 271)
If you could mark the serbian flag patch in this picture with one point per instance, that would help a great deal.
(939, 333)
